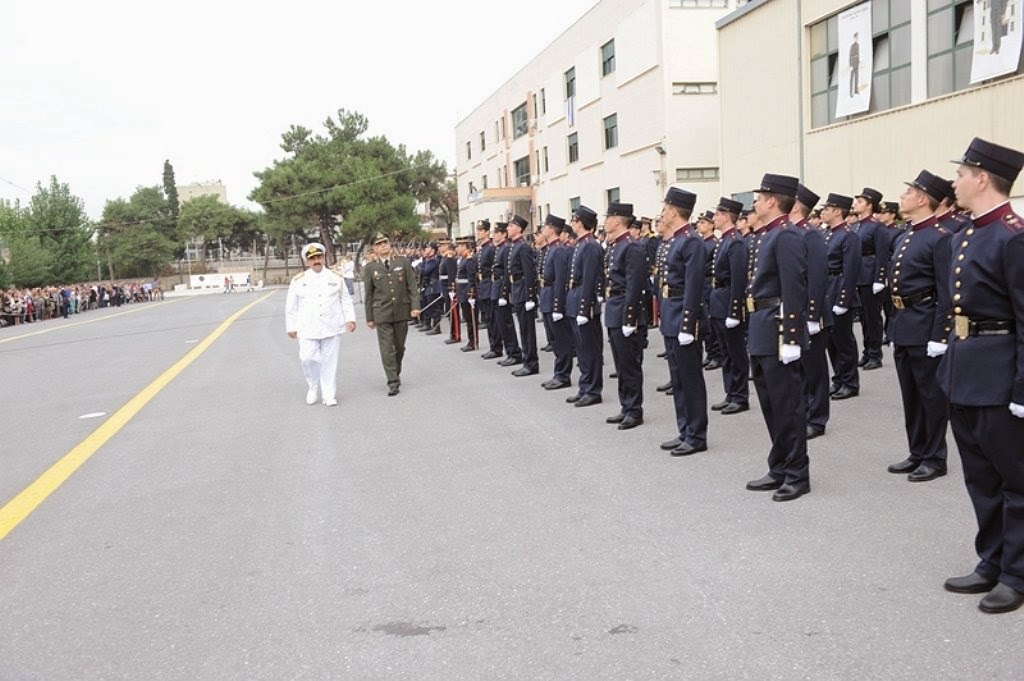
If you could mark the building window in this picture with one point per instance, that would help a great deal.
(537, 153)
(543, 102)
(497, 133)
(694, 88)
(469, 150)
(546, 168)
(696, 174)
(520, 124)
(611, 131)
(612, 195)
(574, 204)
(687, 4)
(504, 128)
(608, 58)
(950, 45)
(570, 83)
(485, 182)
(574, 147)
(522, 170)
(483, 140)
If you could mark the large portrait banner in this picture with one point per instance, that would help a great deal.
(997, 38)
(856, 61)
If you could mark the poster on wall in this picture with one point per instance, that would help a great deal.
(856, 61)
(997, 38)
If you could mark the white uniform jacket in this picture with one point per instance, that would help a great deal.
(318, 305)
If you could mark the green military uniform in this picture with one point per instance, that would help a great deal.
(391, 295)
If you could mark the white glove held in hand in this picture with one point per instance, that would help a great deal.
(814, 328)
(731, 322)
(530, 305)
(628, 331)
(936, 349)
(502, 302)
(685, 338)
(839, 311)
(789, 353)
(451, 296)
(472, 301)
(877, 288)
(581, 320)
(1017, 410)
(557, 316)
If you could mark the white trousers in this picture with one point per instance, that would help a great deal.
(319, 357)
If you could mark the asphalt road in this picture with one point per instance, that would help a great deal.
(474, 527)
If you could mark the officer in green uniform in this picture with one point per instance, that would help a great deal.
(390, 283)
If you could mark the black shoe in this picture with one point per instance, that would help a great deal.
(908, 465)
(670, 391)
(433, 332)
(510, 361)
(872, 365)
(523, 371)
(686, 449)
(924, 473)
(630, 422)
(392, 390)
(719, 406)
(547, 348)
(705, 363)
(845, 393)
(712, 365)
(618, 418)
(791, 492)
(491, 354)
(588, 400)
(450, 341)
(1002, 598)
(765, 484)
(970, 584)
(665, 386)
(813, 432)
(557, 385)
(468, 348)
(573, 399)
(661, 355)
(614, 374)
(736, 408)
(863, 361)
(834, 389)
(669, 445)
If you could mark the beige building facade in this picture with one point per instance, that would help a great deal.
(780, 75)
(621, 106)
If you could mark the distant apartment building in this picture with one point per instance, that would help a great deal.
(213, 188)
(619, 107)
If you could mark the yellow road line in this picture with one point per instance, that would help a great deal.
(48, 329)
(21, 506)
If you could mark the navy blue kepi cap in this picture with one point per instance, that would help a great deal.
(500, 226)
(520, 221)
(783, 185)
(554, 221)
(729, 206)
(839, 201)
(680, 198)
(932, 185)
(586, 216)
(998, 160)
(624, 210)
(872, 195)
(806, 196)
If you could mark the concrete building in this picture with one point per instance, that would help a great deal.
(621, 105)
(213, 188)
(780, 77)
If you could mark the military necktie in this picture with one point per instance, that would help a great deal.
(387, 265)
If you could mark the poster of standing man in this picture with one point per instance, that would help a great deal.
(855, 60)
(997, 38)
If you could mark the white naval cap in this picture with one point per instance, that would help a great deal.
(311, 249)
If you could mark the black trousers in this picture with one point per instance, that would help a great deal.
(434, 310)
(507, 329)
(842, 351)
(454, 319)
(871, 322)
(989, 440)
(589, 355)
(780, 391)
(549, 333)
(689, 392)
(925, 408)
(487, 319)
(561, 343)
(816, 383)
(735, 362)
(528, 335)
(471, 317)
(628, 355)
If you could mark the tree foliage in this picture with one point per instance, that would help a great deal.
(210, 222)
(132, 235)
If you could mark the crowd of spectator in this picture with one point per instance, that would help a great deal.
(24, 306)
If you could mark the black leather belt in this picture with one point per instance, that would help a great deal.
(902, 302)
(719, 284)
(515, 280)
(964, 327)
(669, 292)
(610, 292)
(835, 273)
(756, 304)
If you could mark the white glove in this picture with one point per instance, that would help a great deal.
(600, 299)
(557, 316)
(628, 331)
(581, 320)
(451, 296)
(472, 302)
(1017, 410)
(731, 322)
(814, 328)
(530, 305)
(936, 349)
(877, 288)
(502, 302)
(839, 311)
(685, 338)
(789, 353)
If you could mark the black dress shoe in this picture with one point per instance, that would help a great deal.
(630, 422)
(436, 331)
(924, 473)
(863, 361)
(392, 390)
(790, 492)
(1002, 598)
(588, 399)
(661, 355)
(813, 432)
(719, 406)
(491, 354)
(735, 408)
(669, 445)
(618, 418)
(468, 348)
(510, 361)
(712, 365)
(686, 449)
(557, 385)
(450, 341)
(765, 484)
(614, 374)
(970, 584)
(845, 393)
(872, 365)
(523, 371)
(665, 386)
(834, 389)
(547, 348)
(670, 391)
(573, 399)
(908, 465)
(705, 363)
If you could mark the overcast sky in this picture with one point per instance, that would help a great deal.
(100, 93)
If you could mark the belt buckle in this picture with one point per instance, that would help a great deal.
(607, 291)
(664, 290)
(897, 302)
(961, 326)
(750, 304)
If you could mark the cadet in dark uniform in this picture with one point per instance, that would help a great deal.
(843, 249)
(982, 372)
(390, 285)
(889, 215)
(486, 298)
(449, 272)
(625, 276)
(583, 310)
(540, 248)
(682, 293)
(553, 287)
(658, 272)
(712, 350)
(777, 308)
(727, 313)
(919, 281)
(500, 293)
(819, 317)
(465, 291)
(948, 214)
(431, 286)
(871, 280)
(522, 275)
